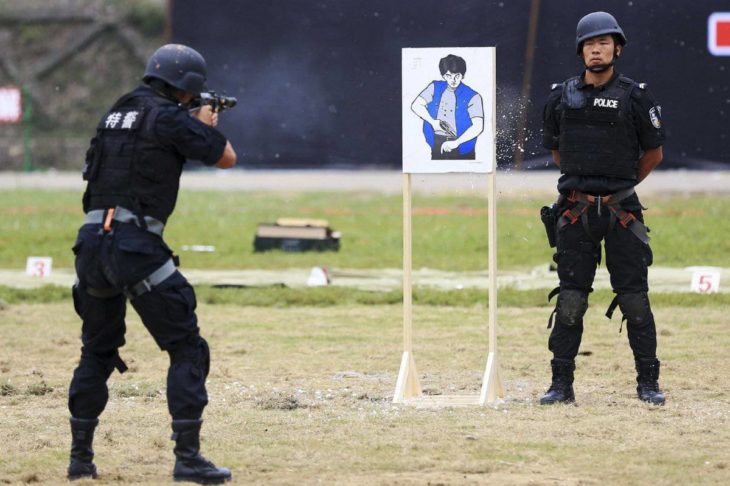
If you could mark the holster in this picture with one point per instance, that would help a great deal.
(549, 217)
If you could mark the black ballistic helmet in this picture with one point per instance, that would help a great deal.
(179, 66)
(595, 24)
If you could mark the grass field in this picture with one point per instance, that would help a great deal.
(302, 379)
(449, 232)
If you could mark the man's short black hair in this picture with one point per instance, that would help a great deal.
(452, 63)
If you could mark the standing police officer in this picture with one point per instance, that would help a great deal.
(133, 169)
(606, 135)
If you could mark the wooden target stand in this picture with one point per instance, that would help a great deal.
(408, 387)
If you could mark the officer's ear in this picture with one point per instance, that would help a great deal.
(618, 47)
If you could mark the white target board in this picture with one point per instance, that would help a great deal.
(448, 109)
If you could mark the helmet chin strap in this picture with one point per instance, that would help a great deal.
(599, 68)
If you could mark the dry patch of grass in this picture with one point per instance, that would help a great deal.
(302, 395)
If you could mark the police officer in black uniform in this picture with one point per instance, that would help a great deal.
(133, 169)
(606, 135)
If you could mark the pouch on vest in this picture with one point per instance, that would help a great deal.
(91, 163)
(572, 96)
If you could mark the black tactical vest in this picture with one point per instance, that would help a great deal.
(125, 164)
(597, 134)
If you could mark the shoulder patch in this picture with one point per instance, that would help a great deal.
(655, 114)
(641, 85)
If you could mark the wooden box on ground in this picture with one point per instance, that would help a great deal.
(290, 234)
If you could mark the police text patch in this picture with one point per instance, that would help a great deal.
(605, 103)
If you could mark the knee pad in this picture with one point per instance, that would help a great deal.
(572, 306)
(635, 308)
(88, 393)
(194, 350)
(101, 364)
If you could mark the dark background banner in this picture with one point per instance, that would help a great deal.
(319, 85)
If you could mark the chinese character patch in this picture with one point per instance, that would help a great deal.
(128, 119)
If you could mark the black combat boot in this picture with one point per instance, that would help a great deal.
(189, 464)
(561, 389)
(82, 455)
(647, 377)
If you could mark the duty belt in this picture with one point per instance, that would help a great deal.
(612, 201)
(147, 223)
(123, 215)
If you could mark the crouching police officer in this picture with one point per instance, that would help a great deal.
(606, 135)
(133, 169)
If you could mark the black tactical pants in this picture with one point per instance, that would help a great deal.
(627, 260)
(107, 263)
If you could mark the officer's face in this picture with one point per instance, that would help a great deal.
(454, 80)
(598, 50)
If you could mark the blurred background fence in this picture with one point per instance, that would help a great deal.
(71, 58)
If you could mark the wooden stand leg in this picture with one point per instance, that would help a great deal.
(492, 387)
(407, 385)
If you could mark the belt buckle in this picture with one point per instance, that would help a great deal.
(627, 220)
(569, 214)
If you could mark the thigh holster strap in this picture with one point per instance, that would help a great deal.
(151, 281)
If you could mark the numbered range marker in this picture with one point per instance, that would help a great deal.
(705, 280)
(39, 266)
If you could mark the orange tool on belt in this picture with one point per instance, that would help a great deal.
(108, 220)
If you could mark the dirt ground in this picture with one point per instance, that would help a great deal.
(303, 396)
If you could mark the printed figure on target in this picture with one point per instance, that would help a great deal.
(452, 113)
